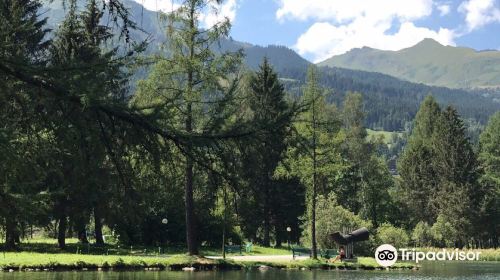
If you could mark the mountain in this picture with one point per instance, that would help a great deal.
(152, 28)
(390, 103)
(427, 62)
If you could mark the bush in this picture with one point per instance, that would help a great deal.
(331, 217)
(388, 234)
(444, 233)
(422, 234)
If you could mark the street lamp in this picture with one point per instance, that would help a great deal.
(289, 230)
(165, 222)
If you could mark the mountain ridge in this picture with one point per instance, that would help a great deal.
(427, 62)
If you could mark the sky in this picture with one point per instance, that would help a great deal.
(319, 29)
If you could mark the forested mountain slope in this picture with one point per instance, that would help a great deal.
(428, 62)
(390, 102)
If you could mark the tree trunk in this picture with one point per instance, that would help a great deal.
(61, 233)
(99, 240)
(314, 184)
(189, 201)
(278, 233)
(267, 224)
(190, 215)
(313, 224)
(10, 234)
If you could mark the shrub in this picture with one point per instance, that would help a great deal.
(331, 217)
(389, 234)
(422, 234)
(444, 232)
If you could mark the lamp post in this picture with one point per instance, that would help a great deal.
(288, 230)
(165, 222)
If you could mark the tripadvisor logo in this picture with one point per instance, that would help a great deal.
(386, 255)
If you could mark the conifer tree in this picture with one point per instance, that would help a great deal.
(22, 43)
(189, 91)
(415, 166)
(489, 158)
(269, 110)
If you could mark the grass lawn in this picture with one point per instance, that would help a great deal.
(30, 260)
(386, 134)
(44, 254)
(45, 245)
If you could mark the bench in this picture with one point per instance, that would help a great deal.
(249, 247)
(233, 249)
(299, 251)
(328, 253)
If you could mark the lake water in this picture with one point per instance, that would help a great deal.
(430, 271)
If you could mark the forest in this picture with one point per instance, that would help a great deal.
(224, 153)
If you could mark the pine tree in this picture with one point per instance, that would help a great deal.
(316, 158)
(189, 91)
(22, 45)
(92, 75)
(489, 157)
(458, 195)
(416, 167)
(269, 110)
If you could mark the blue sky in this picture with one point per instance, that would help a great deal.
(319, 29)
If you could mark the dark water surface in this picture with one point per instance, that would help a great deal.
(429, 271)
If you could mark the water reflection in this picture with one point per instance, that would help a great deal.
(430, 271)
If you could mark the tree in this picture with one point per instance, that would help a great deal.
(316, 159)
(189, 91)
(458, 196)
(415, 166)
(22, 43)
(422, 235)
(439, 171)
(93, 75)
(268, 109)
(489, 158)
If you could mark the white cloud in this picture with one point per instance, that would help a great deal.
(343, 25)
(214, 12)
(158, 5)
(219, 12)
(444, 9)
(324, 40)
(342, 10)
(479, 13)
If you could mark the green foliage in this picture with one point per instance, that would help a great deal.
(427, 62)
(439, 172)
(388, 234)
(444, 232)
(489, 157)
(332, 217)
(422, 235)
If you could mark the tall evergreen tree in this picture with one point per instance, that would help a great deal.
(458, 195)
(22, 43)
(189, 91)
(489, 157)
(269, 110)
(316, 159)
(416, 168)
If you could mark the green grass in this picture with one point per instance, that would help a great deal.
(29, 261)
(44, 254)
(386, 134)
(47, 245)
(364, 263)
